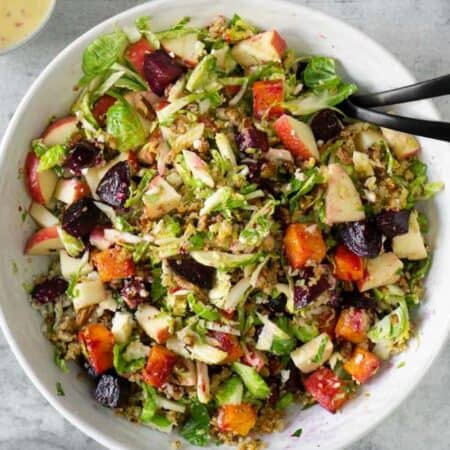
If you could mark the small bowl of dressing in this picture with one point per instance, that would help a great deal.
(21, 21)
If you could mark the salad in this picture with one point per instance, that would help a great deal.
(224, 243)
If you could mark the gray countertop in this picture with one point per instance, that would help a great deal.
(416, 31)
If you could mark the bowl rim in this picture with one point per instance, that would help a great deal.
(90, 34)
(34, 34)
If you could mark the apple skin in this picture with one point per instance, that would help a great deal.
(97, 238)
(60, 131)
(46, 241)
(261, 48)
(40, 185)
(297, 137)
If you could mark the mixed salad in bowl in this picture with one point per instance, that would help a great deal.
(224, 243)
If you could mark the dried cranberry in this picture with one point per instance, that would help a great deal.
(393, 223)
(83, 155)
(294, 382)
(357, 300)
(49, 290)
(326, 125)
(362, 238)
(251, 137)
(192, 271)
(81, 217)
(254, 170)
(135, 291)
(301, 66)
(108, 390)
(278, 304)
(114, 187)
(160, 70)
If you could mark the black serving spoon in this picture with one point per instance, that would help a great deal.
(357, 106)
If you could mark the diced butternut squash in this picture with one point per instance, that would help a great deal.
(303, 243)
(267, 96)
(114, 264)
(362, 365)
(237, 419)
(98, 343)
(160, 364)
(327, 389)
(353, 325)
(348, 265)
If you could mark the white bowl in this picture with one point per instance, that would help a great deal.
(308, 31)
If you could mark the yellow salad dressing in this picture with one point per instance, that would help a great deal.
(19, 18)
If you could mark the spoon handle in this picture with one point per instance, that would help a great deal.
(427, 128)
(419, 91)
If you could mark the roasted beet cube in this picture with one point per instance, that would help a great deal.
(80, 218)
(251, 137)
(114, 187)
(393, 223)
(362, 238)
(108, 390)
(192, 271)
(83, 155)
(314, 283)
(49, 290)
(160, 70)
(326, 125)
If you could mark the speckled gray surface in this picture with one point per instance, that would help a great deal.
(417, 32)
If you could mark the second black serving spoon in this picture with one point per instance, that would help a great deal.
(357, 106)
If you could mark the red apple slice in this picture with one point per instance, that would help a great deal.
(44, 242)
(403, 145)
(187, 47)
(60, 131)
(40, 185)
(258, 49)
(380, 271)
(97, 238)
(411, 244)
(42, 216)
(69, 191)
(297, 137)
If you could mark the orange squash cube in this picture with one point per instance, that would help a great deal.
(348, 265)
(237, 419)
(160, 364)
(114, 264)
(267, 96)
(303, 243)
(98, 343)
(362, 365)
(353, 325)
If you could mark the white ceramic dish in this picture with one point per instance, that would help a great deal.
(32, 35)
(308, 31)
